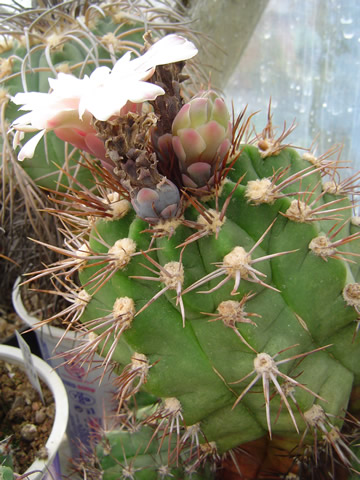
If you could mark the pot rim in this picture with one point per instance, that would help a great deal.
(33, 322)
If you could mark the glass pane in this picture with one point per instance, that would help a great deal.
(305, 55)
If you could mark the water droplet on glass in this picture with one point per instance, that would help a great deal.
(307, 89)
(346, 21)
(336, 111)
(267, 35)
(350, 110)
(324, 105)
(348, 36)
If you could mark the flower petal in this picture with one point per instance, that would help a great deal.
(30, 100)
(66, 85)
(122, 64)
(143, 91)
(105, 103)
(28, 149)
(23, 120)
(99, 76)
(96, 147)
(18, 136)
(169, 49)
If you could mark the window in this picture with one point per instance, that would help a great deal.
(305, 55)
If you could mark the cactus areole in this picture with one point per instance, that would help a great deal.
(229, 290)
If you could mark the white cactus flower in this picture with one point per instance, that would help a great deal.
(71, 103)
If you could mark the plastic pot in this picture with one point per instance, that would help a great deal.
(49, 467)
(89, 402)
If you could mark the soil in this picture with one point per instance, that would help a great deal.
(9, 322)
(23, 416)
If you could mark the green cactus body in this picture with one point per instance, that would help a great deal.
(229, 291)
(6, 473)
(123, 454)
(297, 297)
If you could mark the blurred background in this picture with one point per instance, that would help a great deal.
(305, 55)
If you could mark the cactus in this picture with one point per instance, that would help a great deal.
(136, 454)
(6, 473)
(132, 450)
(229, 291)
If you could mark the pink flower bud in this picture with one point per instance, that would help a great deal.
(201, 138)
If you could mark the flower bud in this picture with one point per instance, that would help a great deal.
(159, 203)
(201, 138)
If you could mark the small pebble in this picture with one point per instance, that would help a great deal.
(43, 453)
(40, 416)
(36, 406)
(28, 432)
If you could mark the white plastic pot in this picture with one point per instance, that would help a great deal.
(51, 465)
(89, 402)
